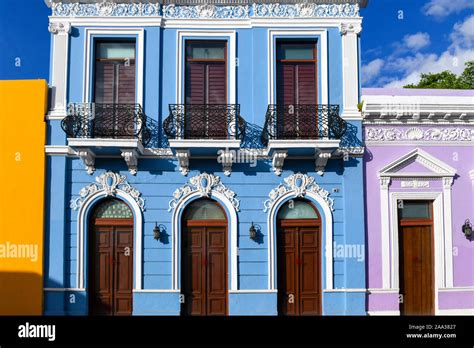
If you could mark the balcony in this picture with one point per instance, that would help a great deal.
(200, 130)
(107, 129)
(302, 130)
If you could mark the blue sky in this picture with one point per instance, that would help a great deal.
(403, 38)
(400, 39)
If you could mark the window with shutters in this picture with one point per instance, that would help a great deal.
(297, 89)
(115, 74)
(206, 72)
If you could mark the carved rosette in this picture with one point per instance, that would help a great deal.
(109, 183)
(299, 185)
(205, 184)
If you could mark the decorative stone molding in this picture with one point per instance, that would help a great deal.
(349, 28)
(131, 158)
(226, 158)
(109, 183)
(448, 182)
(299, 184)
(204, 11)
(415, 184)
(305, 10)
(384, 182)
(321, 159)
(278, 160)
(59, 28)
(183, 160)
(207, 11)
(106, 9)
(204, 184)
(88, 158)
(419, 134)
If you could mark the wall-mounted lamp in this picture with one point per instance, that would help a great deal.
(253, 232)
(157, 232)
(467, 228)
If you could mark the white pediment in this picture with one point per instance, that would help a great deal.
(417, 163)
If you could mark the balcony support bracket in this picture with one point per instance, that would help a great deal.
(183, 159)
(88, 158)
(321, 159)
(131, 158)
(226, 158)
(278, 160)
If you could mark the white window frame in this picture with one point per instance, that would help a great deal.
(91, 34)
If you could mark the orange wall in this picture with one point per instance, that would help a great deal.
(22, 168)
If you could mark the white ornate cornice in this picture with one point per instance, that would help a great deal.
(204, 11)
(106, 9)
(384, 182)
(109, 183)
(299, 184)
(207, 11)
(59, 28)
(204, 184)
(442, 134)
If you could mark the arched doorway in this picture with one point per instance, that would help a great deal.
(204, 259)
(299, 258)
(111, 258)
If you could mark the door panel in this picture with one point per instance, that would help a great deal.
(416, 270)
(111, 267)
(298, 270)
(204, 270)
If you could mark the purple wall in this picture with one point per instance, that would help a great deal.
(460, 157)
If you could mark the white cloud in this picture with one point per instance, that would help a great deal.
(463, 34)
(443, 8)
(411, 66)
(417, 41)
(371, 70)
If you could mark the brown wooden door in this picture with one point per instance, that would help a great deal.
(416, 264)
(204, 268)
(111, 267)
(298, 262)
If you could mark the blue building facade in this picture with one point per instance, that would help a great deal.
(177, 125)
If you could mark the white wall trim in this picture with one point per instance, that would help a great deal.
(232, 229)
(255, 291)
(82, 223)
(461, 311)
(345, 290)
(442, 274)
(383, 291)
(119, 32)
(457, 289)
(383, 313)
(160, 291)
(231, 59)
(322, 75)
(327, 229)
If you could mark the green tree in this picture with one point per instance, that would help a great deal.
(447, 79)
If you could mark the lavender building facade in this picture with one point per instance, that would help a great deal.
(419, 182)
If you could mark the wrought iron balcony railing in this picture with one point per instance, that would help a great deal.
(204, 121)
(109, 121)
(302, 122)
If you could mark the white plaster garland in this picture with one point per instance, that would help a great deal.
(106, 9)
(108, 182)
(419, 134)
(204, 11)
(204, 184)
(207, 11)
(300, 184)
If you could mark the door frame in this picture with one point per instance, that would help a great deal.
(438, 239)
(413, 222)
(208, 223)
(305, 223)
(91, 246)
